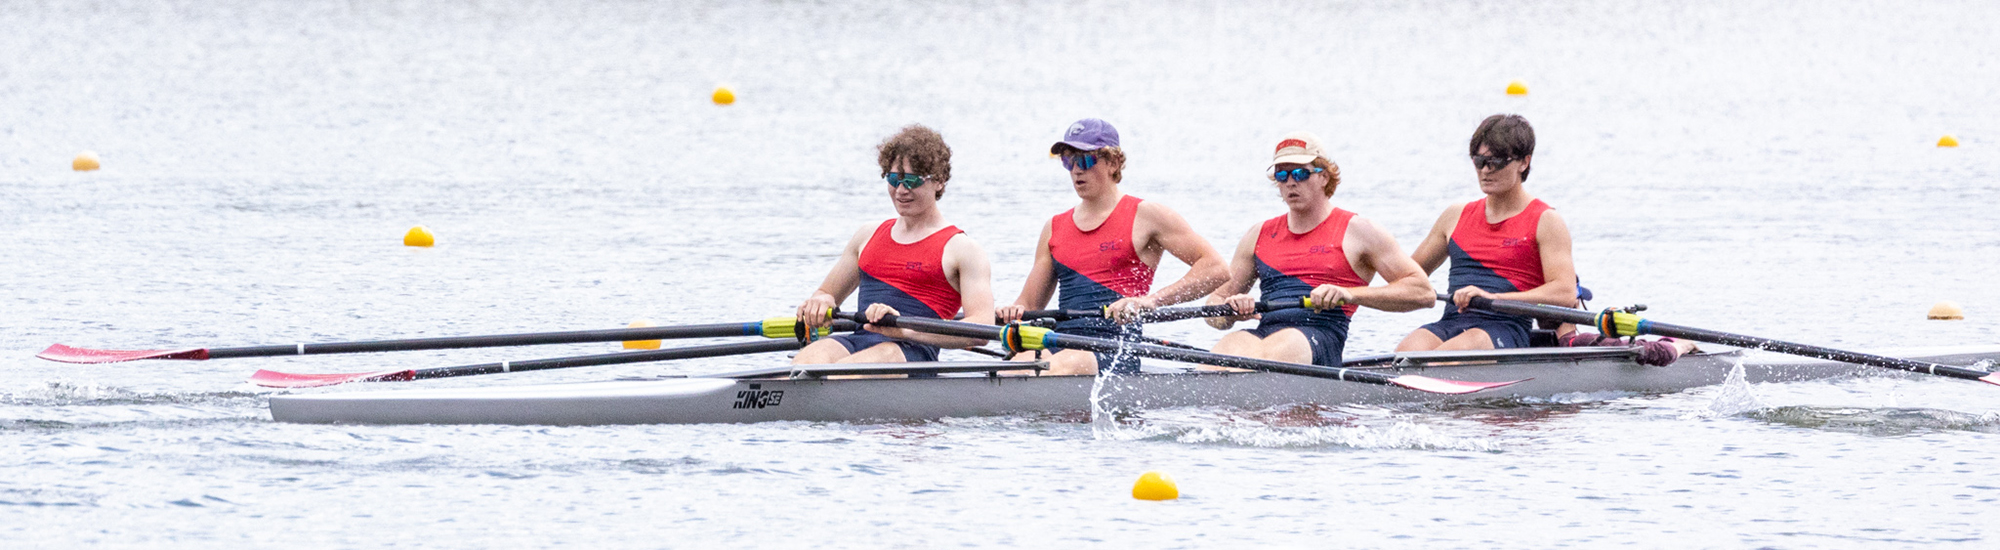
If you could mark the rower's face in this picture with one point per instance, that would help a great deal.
(1092, 181)
(1502, 179)
(912, 201)
(1301, 193)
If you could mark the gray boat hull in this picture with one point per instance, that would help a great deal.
(731, 400)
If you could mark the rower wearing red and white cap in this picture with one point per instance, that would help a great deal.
(912, 265)
(1314, 250)
(1104, 252)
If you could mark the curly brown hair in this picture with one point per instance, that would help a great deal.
(1113, 156)
(1332, 173)
(923, 147)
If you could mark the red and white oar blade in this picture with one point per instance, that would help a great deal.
(1450, 387)
(274, 379)
(67, 354)
(1993, 379)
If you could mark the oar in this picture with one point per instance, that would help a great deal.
(1168, 313)
(775, 327)
(273, 379)
(1618, 323)
(1017, 338)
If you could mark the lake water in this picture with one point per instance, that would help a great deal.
(1758, 167)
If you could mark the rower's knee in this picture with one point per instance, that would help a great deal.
(1419, 340)
(1471, 339)
(819, 353)
(1073, 362)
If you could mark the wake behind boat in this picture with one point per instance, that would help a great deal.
(962, 389)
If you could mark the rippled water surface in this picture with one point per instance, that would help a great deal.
(1762, 167)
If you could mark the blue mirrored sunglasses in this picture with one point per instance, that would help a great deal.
(1295, 174)
(1071, 162)
(911, 181)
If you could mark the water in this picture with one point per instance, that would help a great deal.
(1764, 167)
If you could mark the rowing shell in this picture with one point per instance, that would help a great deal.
(974, 389)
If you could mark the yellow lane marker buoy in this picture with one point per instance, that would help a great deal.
(419, 236)
(1948, 141)
(1946, 311)
(641, 344)
(1517, 88)
(85, 162)
(1155, 486)
(723, 95)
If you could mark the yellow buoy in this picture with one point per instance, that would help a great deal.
(1517, 88)
(1947, 141)
(1946, 311)
(85, 162)
(419, 236)
(641, 344)
(1155, 486)
(723, 96)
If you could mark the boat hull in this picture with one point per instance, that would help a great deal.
(729, 400)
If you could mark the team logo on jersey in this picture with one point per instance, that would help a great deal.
(913, 266)
(1513, 242)
(1322, 249)
(1107, 246)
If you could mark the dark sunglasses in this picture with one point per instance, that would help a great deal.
(1295, 174)
(1071, 162)
(1484, 162)
(911, 181)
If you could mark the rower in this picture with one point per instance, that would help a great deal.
(1508, 245)
(1314, 250)
(912, 265)
(1103, 253)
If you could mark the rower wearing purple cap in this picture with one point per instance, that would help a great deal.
(912, 265)
(1103, 253)
(1315, 251)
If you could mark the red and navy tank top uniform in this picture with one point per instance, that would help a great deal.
(908, 277)
(1497, 257)
(1290, 265)
(1095, 268)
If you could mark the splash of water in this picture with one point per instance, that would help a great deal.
(1735, 396)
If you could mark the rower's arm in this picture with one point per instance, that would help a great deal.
(1432, 252)
(1041, 284)
(1558, 271)
(1407, 288)
(1206, 270)
(965, 266)
(839, 283)
(1242, 275)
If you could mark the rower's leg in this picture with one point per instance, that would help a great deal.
(1288, 345)
(1072, 362)
(1241, 342)
(1421, 340)
(886, 352)
(1471, 339)
(820, 353)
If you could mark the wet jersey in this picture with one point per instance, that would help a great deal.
(1097, 267)
(908, 277)
(1291, 265)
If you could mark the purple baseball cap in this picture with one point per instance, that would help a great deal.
(1088, 135)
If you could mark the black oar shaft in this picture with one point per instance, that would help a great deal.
(1166, 313)
(718, 330)
(690, 352)
(1054, 340)
(1627, 324)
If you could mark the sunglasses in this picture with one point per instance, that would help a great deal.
(1295, 174)
(906, 180)
(1484, 162)
(1072, 162)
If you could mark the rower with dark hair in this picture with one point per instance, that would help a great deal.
(1508, 245)
(912, 265)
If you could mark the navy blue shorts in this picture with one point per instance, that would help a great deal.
(1326, 342)
(861, 339)
(1117, 363)
(1507, 331)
